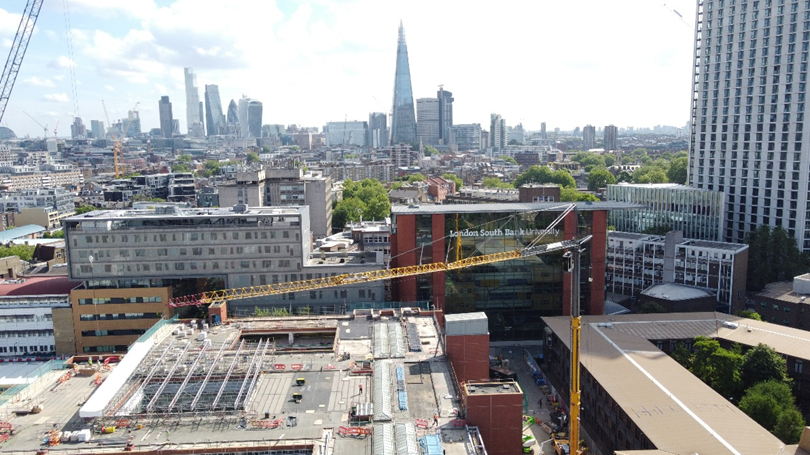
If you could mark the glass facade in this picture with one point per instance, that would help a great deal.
(515, 294)
(403, 120)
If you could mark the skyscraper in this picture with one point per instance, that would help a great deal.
(97, 127)
(77, 129)
(243, 113)
(233, 119)
(611, 138)
(747, 118)
(166, 119)
(254, 118)
(589, 137)
(427, 121)
(377, 130)
(214, 123)
(445, 115)
(403, 119)
(497, 133)
(193, 120)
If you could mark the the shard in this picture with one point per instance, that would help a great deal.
(403, 120)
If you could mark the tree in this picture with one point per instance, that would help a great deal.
(377, 208)
(624, 176)
(455, 179)
(252, 157)
(750, 314)
(185, 158)
(572, 195)
(60, 234)
(84, 209)
(346, 210)
(682, 355)
(24, 252)
(652, 307)
(762, 363)
(610, 160)
(789, 426)
(771, 405)
(180, 167)
(589, 160)
(773, 256)
(600, 178)
(514, 142)
(211, 168)
(717, 367)
(650, 174)
(508, 159)
(416, 178)
(657, 230)
(677, 170)
(495, 182)
(431, 150)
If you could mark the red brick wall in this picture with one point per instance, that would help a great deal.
(598, 250)
(469, 355)
(438, 279)
(404, 243)
(499, 417)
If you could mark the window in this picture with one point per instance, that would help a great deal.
(798, 366)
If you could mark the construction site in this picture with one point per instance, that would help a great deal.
(363, 383)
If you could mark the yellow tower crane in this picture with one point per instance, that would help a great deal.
(118, 142)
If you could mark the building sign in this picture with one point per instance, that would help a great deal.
(503, 232)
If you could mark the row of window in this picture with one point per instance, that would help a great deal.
(193, 236)
(117, 316)
(119, 348)
(775, 307)
(118, 300)
(26, 333)
(199, 251)
(26, 349)
(119, 332)
(26, 317)
(194, 265)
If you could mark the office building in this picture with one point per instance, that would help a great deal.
(77, 129)
(97, 129)
(611, 139)
(589, 137)
(403, 155)
(427, 121)
(516, 293)
(132, 124)
(466, 137)
(232, 120)
(254, 118)
(747, 120)
(543, 134)
(282, 188)
(193, 118)
(497, 133)
(445, 115)
(45, 207)
(635, 262)
(669, 206)
(346, 133)
(214, 120)
(785, 303)
(377, 130)
(403, 119)
(166, 119)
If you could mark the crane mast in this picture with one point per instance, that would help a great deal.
(17, 52)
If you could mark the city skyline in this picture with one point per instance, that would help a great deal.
(136, 51)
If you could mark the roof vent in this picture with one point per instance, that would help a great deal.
(240, 208)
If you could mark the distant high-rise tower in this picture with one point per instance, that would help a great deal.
(233, 119)
(254, 118)
(403, 119)
(543, 134)
(427, 121)
(377, 130)
(213, 111)
(611, 138)
(193, 120)
(166, 119)
(497, 132)
(588, 137)
(445, 115)
(77, 129)
(97, 128)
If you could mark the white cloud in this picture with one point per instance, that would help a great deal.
(57, 97)
(160, 88)
(109, 88)
(61, 62)
(39, 82)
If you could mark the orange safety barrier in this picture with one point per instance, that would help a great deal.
(296, 366)
(64, 377)
(280, 366)
(354, 431)
(459, 422)
(4, 437)
(421, 423)
(266, 424)
(329, 367)
(123, 423)
(6, 426)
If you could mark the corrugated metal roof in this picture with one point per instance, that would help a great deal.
(509, 207)
(661, 397)
(22, 231)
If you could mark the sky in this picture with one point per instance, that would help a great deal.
(566, 63)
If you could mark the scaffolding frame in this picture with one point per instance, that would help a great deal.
(210, 373)
(166, 380)
(247, 374)
(256, 375)
(227, 376)
(191, 370)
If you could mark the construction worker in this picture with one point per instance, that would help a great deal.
(436, 419)
(361, 389)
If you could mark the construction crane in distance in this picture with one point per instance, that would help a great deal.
(44, 127)
(17, 51)
(118, 142)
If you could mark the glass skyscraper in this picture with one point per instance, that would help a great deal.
(403, 121)
(214, 121)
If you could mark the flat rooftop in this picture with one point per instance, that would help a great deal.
(179, 212)
(509, 207)
(783, 290)
(233, 387)
(662, 398)
(492, 388)
(672, 291)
